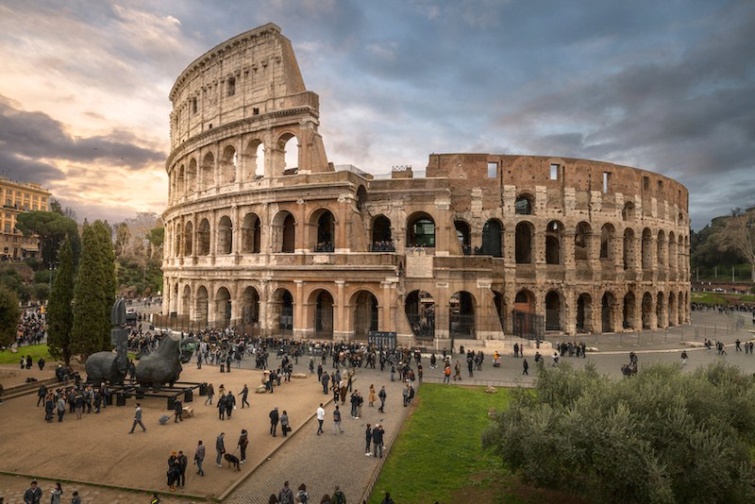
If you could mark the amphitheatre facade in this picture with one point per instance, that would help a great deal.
(264, 234)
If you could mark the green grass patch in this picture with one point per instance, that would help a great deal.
(708, 298)
(439, 449)
(36, 351)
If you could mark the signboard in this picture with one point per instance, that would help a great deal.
(384, 340)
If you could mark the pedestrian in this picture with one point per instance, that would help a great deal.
(33, 494)
(286, 496)
(367, 440)
(337, 420)
(382, 395)
(221, 407)
(242, 444)
(230, 404)
(405, 394)
(61, 405)
(387, 499)
(371, 396)
(138, 419)
(274, 418)
(320, 418)
(284, 423)
(220, 448)
(325, 380)
(302, 496)
(75, 499)
(210, 394)
(447, 373)
(178, 409)
(41, 394)
(173, 471)
(377, 440)
(183, 462)
(685, 357)
(57, 494)
(244, 397)
(199, 455)
(155, 498)
(525, 367)
(338, 496)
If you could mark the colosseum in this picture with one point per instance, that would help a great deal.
(262, 233)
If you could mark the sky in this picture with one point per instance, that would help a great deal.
(664, 86)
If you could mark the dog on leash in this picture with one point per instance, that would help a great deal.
(233, 460)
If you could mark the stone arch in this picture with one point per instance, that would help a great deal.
(582, 234)
(362, 198)
(607, 236)
(203, 237)
(681, 305)
(188, 238)
(523, 242)
(254, 159)
(250, 307)
(672, 310)
(461, 319)
(464, 235)
(647, 253)
(191, 177)
(324, 222)
(251, 234)
(201, 306)
(365, 313)
(492, 238)
(628, 212)
(223, 308)
(228, 165)
(647, 311)
(323, 314)
(382, 239)
(420, 230)
(524, 204)
(177, 240)
(607, 304)
(287, 159)
(629, 309)
(672, 252)
(180, 186)
(225, 236)
(661, 250)
(660, 310)
(185, 308)
(282, 310)
(554, 232)
(499, 300)
(524, 313)
(584, 313)
(284, 232)
(629, 250)
(420, 311)
(207, 171)
(553, 311)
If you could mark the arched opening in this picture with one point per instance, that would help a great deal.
(660, 306)
(629, 250)
(672, 251)
(606, 312)
(365, 314)
(203, 238)
(251, 234)
(255, 160)
(326, 230)
(681, 305)
(553, 234)
(630, 306)
(223, 308)
(250, 309)
(420, 310)
(523, 243)
(284, 233)
(647, 257)
(282, 308)
(362, 198)
(582, 235)
(225, 235)
(289, 148)
(492, 238)
(382, 240)
(188, 239)
(500, 307)
(323, 322)
(180, 187)
(526, 322)
(627, 213)
(524, 204)
(191, 177)
(463, 234)
(647, 311)
(228, 165)
(461, 320)
(607, 233)
(420, 231)
(201, 306)
(661, 250)
(552, 311)
(672, 310)
(584, 313)
(185, 307)
(177, 240)
(208, 171)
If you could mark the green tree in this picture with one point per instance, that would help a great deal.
(94, 292)
(51, 228)
(60, 307)
(661, 437)
(10, 315)
(738, 235)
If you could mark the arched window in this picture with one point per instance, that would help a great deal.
(188, 239)
(208, 171)
(228, 165)
(492, 238)
(524, 205)
(582, 235)
(191, 177)
(553, 235)
(203, 238)
(250, 234)
(382, 240)
(523, 243)
(326, 230)
(420, 312)
(461, 311)
(225, 235)
(421, 231)
(464, 236)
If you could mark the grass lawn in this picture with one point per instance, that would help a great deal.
(36, 351)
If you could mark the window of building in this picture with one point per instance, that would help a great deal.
(554, 171)
(231, 86)
(255, 111)
(660, 185)
(606, 181)
(193, 105)
(492, 170)
(646, 183)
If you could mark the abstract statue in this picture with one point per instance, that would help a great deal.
(161, 366)
(109, 366)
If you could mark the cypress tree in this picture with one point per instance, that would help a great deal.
(10, 315)
(60, 308)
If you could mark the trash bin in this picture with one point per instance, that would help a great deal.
(202, 389)
(120, 399)
(171, 403)
(188, 396)
(109, 399)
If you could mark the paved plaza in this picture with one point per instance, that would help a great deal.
(322, 462)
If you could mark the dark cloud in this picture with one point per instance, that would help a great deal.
(36, 136)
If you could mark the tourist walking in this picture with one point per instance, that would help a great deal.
(220, 448)
(242, 444)
(284, 423)
(274, 419)
(382, 395)
(320, 418)
(244, 397)
(137, 419)
(286, 495)
(525, 367)
(377, 440)
(210, 394)
(337, 420)
(199, 455)
(367, 440)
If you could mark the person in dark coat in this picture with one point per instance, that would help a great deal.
(178, 408)
(274, 418)
(230, 404)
